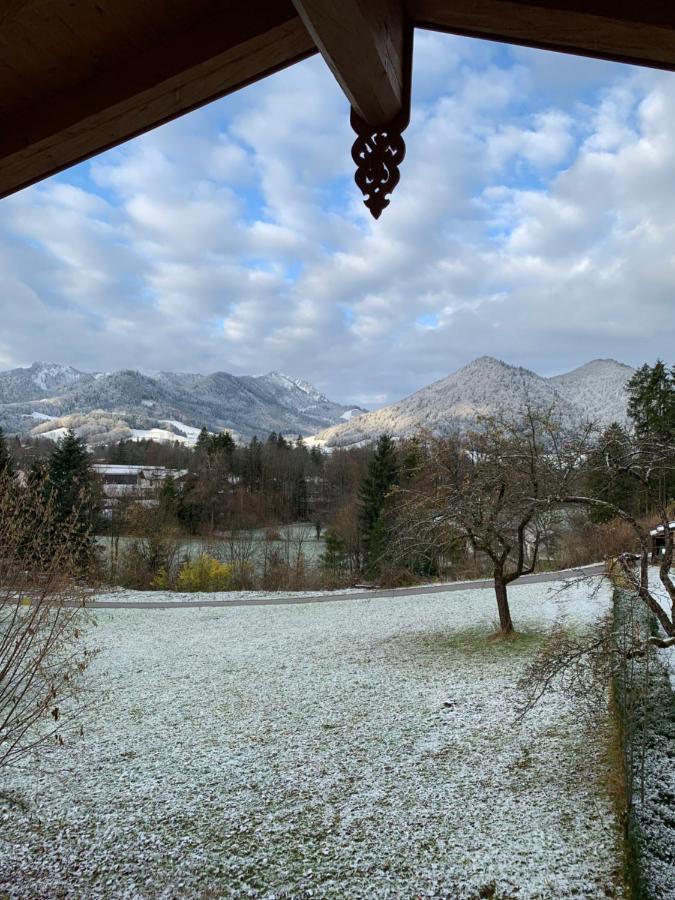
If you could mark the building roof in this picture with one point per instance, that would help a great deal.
(661, 530)
(156, 472)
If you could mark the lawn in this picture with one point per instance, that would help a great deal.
(363, 748)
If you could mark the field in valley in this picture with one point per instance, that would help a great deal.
(363, 748)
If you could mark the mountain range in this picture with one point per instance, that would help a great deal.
(595, 391)
(45, 399)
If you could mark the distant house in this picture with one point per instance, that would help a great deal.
(658, 537)
(138, 483)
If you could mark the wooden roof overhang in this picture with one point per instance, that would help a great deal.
(80, 76)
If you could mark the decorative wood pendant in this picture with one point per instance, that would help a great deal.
(378, 151)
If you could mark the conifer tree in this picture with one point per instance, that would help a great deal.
(383, 474)
(316, 456)
(73, 491)
(651, 406)
(224, 442)
(6, 461)
(608, 476)
(7, 480)
(299, 498)
(203, 440)
(651, 401)
(169, 501)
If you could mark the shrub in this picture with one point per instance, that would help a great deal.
(589, 543)
(160, 582)
(42, 616)
(204, 574)
(148, 563)
(243, 576)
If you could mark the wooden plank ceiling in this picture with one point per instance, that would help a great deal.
(80, 76)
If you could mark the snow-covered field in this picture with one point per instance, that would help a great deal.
(359, 749)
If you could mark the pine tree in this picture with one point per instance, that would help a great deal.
(169, 501)
(8, 483)
(334, 557)
(651, 402)
(224, 443)
(316, 456)
(299, 498)
(203, 440)
(651, 406)
(73, 491)
(6, 461)
(253, 464)
(607, 477)
(383, 474)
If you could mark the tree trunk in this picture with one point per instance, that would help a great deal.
(505, 623)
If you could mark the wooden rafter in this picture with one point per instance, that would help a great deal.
(367, 45)
(364, 43)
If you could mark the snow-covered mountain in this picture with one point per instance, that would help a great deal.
(39, 380)
(45, 398)
(598, 389)
(485, 386)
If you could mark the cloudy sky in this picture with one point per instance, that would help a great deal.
(534, 221)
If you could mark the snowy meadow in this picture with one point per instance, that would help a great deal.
(362, 748)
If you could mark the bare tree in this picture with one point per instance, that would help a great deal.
(41, 617)
(646, 461)
(485, 487)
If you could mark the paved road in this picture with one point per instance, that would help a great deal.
(584, 571)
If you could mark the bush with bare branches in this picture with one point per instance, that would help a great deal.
(42, 616)
(648, 462)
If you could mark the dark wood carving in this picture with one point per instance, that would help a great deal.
(378, 151)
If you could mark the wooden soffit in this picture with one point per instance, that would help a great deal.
(80, 76)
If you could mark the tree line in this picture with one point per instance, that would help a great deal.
(508, 497)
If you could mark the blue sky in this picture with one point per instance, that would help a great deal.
(533, 222)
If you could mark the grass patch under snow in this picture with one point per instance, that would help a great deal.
(355, 749)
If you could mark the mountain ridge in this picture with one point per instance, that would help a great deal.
(46, 398)
(114, 405)
(486, 385)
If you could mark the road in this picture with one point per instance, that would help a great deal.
(288, 599)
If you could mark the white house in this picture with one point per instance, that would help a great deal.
(136, 482)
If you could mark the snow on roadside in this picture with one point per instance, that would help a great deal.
(126, 595)
(357, 750)
(198, 598)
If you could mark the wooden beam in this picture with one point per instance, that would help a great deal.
(620, 30)
(216, 56)
(365, 44)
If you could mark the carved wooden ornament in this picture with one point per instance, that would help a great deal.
(378, 151)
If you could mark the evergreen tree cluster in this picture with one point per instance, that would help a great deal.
(383, 475)
(69, 496)
(651, 402)
(621, 454)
